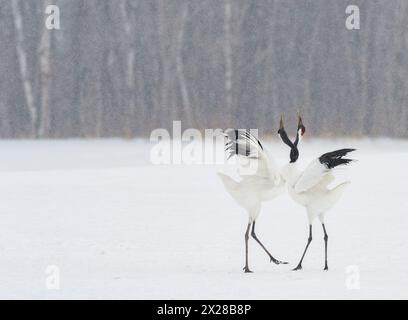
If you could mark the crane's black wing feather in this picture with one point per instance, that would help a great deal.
(239, 142)
(335, 158)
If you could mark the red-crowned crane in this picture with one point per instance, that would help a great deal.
(260, 181)
(309, 187)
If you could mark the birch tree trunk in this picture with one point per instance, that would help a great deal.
(228, 58)
(162, 110)
(130, 66)
(45, 80)
(187, 108)
(308, 103)
(364, 59)
(22, 61)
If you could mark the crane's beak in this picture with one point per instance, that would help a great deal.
(300, 123)
(301, 127)
(281, 124)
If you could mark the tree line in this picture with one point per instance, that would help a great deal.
(123, 68)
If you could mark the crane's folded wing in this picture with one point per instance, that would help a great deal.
(311, 176)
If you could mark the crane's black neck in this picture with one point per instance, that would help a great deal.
(294, 152)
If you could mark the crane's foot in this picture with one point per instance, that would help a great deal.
(246, 270)
(276, 261)
(299, 267)
(326, 268)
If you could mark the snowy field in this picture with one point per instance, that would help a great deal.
(116, 226)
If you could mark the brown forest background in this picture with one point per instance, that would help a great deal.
(125, 67)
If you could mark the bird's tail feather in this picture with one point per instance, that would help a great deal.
(229, 183)
(337, 191)
(336, 158)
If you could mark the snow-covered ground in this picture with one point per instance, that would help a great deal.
(116, 226)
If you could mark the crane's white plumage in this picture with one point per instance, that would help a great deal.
(310, 187)
(311, 176)
(260, 179)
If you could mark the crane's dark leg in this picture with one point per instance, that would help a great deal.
(299, 266)
(246, 268)
(326, 238)
(276, 261)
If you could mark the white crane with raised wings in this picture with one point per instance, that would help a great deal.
(260, 181)
(309, 187)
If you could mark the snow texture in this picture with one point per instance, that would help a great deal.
(119, 227)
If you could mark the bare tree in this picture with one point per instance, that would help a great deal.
(187, 108)
(22, 61)
(130, 55)
(45, 76)
(125, 68)
(228, 56)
